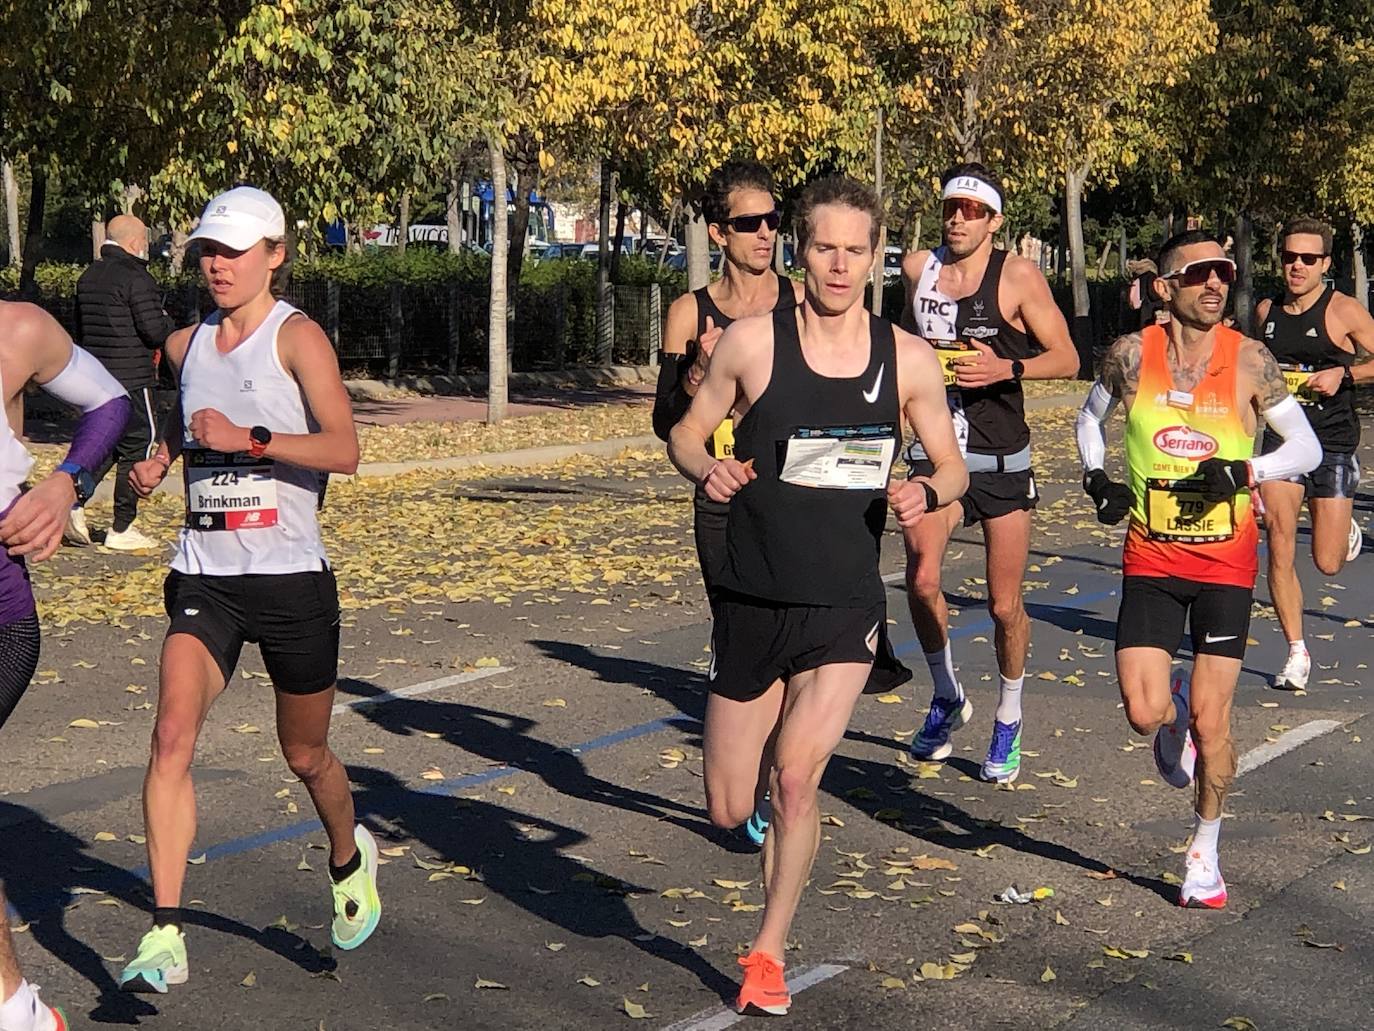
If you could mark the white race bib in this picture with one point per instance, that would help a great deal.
(840, 457)
(229, 492)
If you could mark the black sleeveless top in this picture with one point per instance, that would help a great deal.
(811, 545)
(996, 413)
(1301, 343)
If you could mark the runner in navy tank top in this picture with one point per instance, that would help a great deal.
(993, 322)
(820, 393)
(1315, 333)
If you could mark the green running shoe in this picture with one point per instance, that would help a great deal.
(357, 907)
(161, 961)
(1004, 754)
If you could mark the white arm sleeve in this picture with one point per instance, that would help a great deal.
(1300, 451)
(84, 383)
(1091, 427)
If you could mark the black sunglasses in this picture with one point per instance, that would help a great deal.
(751, 223)
(1196, 273)
(1293, 257)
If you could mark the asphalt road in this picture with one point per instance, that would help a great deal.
(533, 771)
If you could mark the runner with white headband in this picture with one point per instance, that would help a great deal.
(993, 322)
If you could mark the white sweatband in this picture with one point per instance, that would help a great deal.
(84, 383)
(1090, 428)
(972, 186)
(1300, 451)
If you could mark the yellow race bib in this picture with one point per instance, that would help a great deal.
(950, 354)
(1178, 512)
(1296, 379)
(723, 440)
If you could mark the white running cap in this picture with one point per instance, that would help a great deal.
(241, 217)
(972, 186)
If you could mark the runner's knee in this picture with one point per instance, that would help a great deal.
(1007, 611)
(1144, 716)
(174, 744)
(308, 762)
(794, 790)
(1212, 731)
(1329, 565)
(923, 581)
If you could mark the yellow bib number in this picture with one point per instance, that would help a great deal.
(723, 440)
(1298, 387)
(950, 355)
(1177, 512)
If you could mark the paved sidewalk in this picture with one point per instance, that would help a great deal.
(393, 411)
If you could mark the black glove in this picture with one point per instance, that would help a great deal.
(1112, 500)
(1223, 478)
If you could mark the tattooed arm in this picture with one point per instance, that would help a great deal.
(1259, 366)
(1120, 374)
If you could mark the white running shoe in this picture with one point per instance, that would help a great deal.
(1352, 550)
(1293, 676)
(1175, 753)
(1203, 886)
(77, 533)
(129, 540)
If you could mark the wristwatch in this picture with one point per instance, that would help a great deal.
(1018, 368)
(83, 481)
(259, 437)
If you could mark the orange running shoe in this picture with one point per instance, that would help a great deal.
(764, 990)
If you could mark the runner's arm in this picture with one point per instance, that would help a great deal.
(1360, 330)
(911, 278)
(1300, 451)
(1044, 322)
(711, 403)
(1091, 427)
(921, 384)
(308, 355)
(671, 400)
(1262, 310)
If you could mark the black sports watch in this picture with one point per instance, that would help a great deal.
(1018, 368)
(83, 481)
(260, 436)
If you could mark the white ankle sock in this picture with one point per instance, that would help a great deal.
(23, 1011)
(1009, 701)
(1298, 647)
(941, 665)
(1205, 835)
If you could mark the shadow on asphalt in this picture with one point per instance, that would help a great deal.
(43, 892)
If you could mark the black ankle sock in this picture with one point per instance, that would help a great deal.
(165, 916)
(339, 873)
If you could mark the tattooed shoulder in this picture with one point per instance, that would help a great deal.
(1121, 366)
(1259, 362)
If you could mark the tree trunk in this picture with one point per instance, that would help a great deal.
(1121, 256)
(403, 238)
(1073, 218)
(621, 210)
(914, 243)
(129, 197)
(880, 262)
(668, 235)
(605, 317)
(497, 359)
(177, 258)
(97, 236)
(698, 253)
(526, 176)
(33, 238)
(11, 188)
(1245, 288)
(1357, 267)
(1102, 259)
(453, 215)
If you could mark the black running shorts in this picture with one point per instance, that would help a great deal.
(292, 617)
(755, 641)
(990, 495)
(1153, 610)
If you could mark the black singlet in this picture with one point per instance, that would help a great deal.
(1301, 343)
(814, 545)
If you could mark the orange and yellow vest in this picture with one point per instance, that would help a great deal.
(1174, 531)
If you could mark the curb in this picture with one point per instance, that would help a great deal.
(451, 386)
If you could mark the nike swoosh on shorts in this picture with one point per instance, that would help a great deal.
(1217, 640)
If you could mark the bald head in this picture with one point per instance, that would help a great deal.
(130, 233)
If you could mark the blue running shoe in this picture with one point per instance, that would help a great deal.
(946, 715)
(756, 827)
(1004, 754)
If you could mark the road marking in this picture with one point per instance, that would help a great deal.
(719, 1017)
(1284, 743)
(418, 689)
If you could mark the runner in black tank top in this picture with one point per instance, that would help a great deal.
(821, 391)
(992, 320)
(1314, 333)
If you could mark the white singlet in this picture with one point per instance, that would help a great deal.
(245, 514)
(936, 320)
(15, 460)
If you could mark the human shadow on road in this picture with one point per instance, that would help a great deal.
(507, 740)
(49, 886)
(522, 858)
(1073, 620)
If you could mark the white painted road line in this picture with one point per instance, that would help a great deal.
(719, 1017)
(1284, 743)
(418, 689)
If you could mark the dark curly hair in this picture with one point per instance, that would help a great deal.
(725, 180)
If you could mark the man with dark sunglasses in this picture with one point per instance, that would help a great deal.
(993, 322)
(1191, 390)
(1315, 332)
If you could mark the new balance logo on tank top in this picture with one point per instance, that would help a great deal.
(1174, 531)
(245, 514)
(1302, 346)
(807, 530)
(987, 420)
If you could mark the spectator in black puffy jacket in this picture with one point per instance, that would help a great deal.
(120, 320)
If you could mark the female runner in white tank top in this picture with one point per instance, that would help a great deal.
(262, 418)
